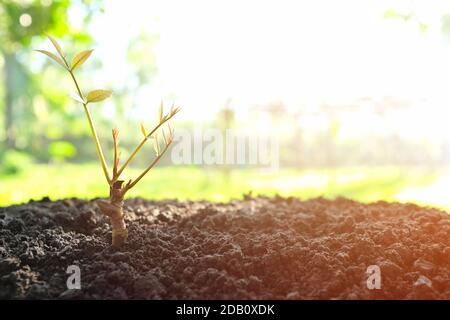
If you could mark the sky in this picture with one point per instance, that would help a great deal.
(299, 52)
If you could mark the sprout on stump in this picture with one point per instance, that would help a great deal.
(113, 208)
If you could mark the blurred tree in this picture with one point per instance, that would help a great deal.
(414, 14)
(20, 21)
(142, 56)
(410, 16)
(225, 121)
(225, 116)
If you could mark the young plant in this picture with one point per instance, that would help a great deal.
(113, 208)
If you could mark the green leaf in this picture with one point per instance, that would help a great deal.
(156, 145)
(53, 57)
(76, 97)
(144, 132)
(98, 95)
(161, 111)
(164, 136)
(57, 46)
(174, 111)
(80, 58)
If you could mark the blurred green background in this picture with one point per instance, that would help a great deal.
(356, 96)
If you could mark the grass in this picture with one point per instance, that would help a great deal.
(194, 183)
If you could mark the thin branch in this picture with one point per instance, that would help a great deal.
(97, 145)
(115, 134)
(155, 161)
(156, 145)
(93, 131)
(144, 140)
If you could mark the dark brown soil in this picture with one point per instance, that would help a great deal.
(258, 248)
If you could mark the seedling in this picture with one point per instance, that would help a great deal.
(117, 187)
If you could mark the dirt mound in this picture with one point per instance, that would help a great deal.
(258, 248)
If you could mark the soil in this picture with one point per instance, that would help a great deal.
(255, 248)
